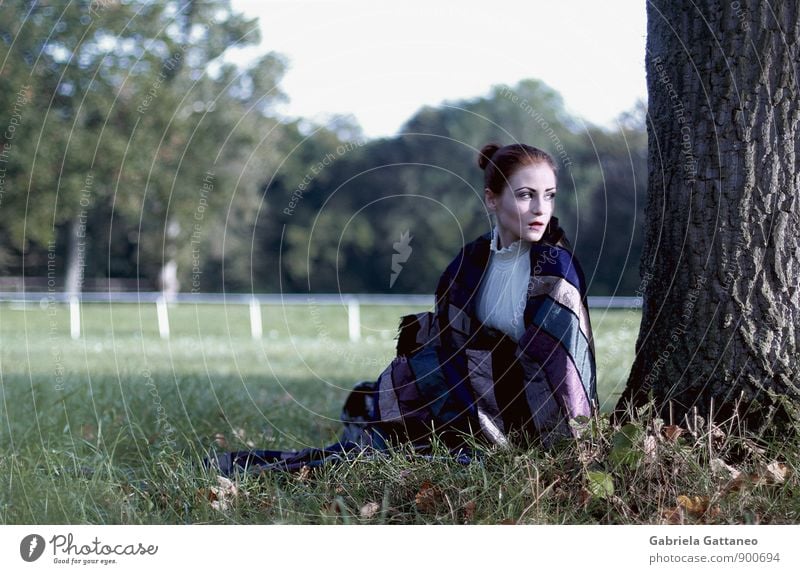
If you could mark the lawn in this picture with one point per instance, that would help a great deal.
(110, 428)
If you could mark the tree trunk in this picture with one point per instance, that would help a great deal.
(721, 260)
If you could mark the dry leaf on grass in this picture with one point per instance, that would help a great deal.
(694, 505)
(672, 515)
(428, 497)
(304, 474)
(468, 512)
(672, 432)
(370, 509)
(777, 472)
(222, 495)
(752, 447)
(719, 466)
(698, 507)
(769, 474)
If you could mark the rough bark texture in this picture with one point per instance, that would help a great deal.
(721, 260)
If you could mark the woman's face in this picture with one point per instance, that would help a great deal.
(524, 208)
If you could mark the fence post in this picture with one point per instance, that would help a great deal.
(255, 318)
(74, 317)
(354, 319)
(163, 317)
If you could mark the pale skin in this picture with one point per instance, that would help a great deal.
(527, 198)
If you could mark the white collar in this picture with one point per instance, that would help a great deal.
(509, 251)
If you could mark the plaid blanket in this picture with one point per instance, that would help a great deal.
(457, 378)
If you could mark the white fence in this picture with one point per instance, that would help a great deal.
(352, 302)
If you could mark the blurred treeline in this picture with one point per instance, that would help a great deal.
(130, 149)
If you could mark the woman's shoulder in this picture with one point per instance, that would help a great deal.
(557, 260)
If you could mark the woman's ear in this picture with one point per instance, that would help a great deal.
(490, 199)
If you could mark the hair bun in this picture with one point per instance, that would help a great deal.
(486, 154)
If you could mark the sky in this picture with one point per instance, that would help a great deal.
(381, 61)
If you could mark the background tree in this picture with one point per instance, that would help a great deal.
(425, 181)
(146, 157)
(129, 106)
(721, 258)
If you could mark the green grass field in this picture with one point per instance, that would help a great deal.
(110, 428)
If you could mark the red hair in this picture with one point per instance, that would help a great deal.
(499, 163)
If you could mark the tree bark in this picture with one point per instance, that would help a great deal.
(721, 260)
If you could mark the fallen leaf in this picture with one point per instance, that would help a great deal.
(222, 495)
(672, 432)
(370, 509)
(468, 512)
(672, 515)
(769, 474)
(428, 497)
(584, 497)
(304, 474)
(752, 447)
(778, 472)
(719, 466)
(695, 505)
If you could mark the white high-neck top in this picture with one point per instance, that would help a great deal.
(503, 292)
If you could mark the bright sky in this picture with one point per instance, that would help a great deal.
(381, 61)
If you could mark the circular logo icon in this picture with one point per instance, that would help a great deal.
(31, 547)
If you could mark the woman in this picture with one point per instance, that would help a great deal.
(508, 350)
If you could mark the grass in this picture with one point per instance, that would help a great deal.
(111, 429)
